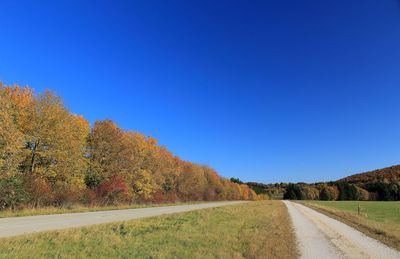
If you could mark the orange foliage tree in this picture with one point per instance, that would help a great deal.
(50, 156)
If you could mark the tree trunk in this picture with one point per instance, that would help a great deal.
(33, 157)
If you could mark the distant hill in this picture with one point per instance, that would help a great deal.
(389, 174)
(381, 184)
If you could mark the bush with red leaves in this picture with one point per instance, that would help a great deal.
(113, 191)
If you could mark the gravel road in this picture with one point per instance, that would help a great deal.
(320, 236)
(24, 225)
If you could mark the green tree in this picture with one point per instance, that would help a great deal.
(325, 195)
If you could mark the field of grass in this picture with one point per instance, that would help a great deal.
(252, 230)
(380, 211)
(77, 208)
(378, 219)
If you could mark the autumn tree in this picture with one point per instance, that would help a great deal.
(253, 195)
(113, 152)
(309, 192)
(363, 195)
(142, 184)
(53, 139)
(215, 189)
(142, 177)
(108, 151)
(11, 138)
(42, 139)
(49, 156)
(192, 182)
(232, 191)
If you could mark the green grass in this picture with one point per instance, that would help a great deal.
(380, 211)
(252, 230)
(81, 208)
(378, 219)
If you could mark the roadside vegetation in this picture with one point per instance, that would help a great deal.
(380, 220)
(50, 156)
(259, 229)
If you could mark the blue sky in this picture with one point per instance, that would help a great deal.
(265, 91)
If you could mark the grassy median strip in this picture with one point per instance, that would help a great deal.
(252, 230)
(377, 219)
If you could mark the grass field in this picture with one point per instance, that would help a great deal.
(378, 219)
(380, 211)
(252, 230)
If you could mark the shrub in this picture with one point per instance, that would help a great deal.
(12, 193)
(40, 192)
(114, 190)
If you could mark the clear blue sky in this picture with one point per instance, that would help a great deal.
(265, 91)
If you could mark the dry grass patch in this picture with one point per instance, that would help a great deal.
(386, 229)
(252, 230)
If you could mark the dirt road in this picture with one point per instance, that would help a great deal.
(23, 225)
(320, 236)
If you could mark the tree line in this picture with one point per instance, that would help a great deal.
(342, 190)
(52, 157)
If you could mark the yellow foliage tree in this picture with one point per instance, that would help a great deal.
(58, 159)
(192, 183)
(142, 184)
(11, 138)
